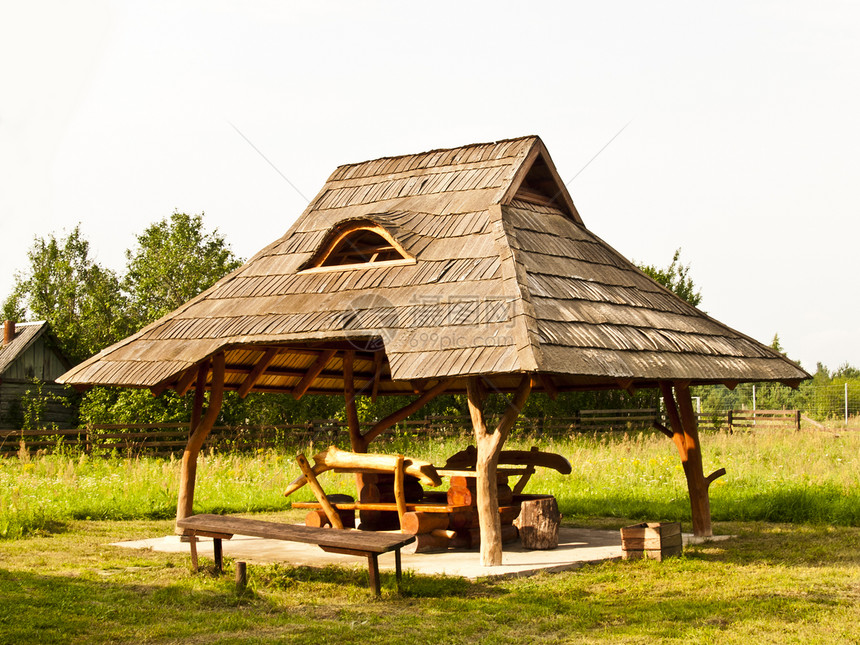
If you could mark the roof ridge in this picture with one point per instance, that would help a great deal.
(427, 152)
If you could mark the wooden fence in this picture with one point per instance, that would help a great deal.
(167, 438)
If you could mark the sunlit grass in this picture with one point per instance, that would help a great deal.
(772, 475)
(772, 583)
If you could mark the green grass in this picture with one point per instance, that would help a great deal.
(777, 476)
(62, 582)
(772, 583)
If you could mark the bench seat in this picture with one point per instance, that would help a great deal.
(346, 541)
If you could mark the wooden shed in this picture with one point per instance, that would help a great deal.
(459, 270)
(30, 354)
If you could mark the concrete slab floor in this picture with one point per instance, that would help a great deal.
(575, 548)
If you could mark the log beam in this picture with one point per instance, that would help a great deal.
(257, 372)
(186, 380)
(312, 373)
(407, 410)
(549, 386)
(188, 472)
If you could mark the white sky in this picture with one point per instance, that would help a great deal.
(742, 146)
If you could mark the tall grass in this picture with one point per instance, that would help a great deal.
(801, 477)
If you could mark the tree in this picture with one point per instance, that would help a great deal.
(175, 260)
(80, 299)
(676, 278)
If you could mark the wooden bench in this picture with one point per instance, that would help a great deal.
(345, 541)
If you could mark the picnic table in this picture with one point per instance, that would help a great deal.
(438, 520)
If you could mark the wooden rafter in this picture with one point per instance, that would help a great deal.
(293, 372)
(548, 386)
(257, 372)
(187, 380)
(405, 411)
(312, 373)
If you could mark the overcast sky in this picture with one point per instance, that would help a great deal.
(742, 146)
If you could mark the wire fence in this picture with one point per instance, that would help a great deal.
(833, 403)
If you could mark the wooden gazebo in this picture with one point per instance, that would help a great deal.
(462, 270)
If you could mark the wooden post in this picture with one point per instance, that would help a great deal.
(399, 492)
(489, 447)
(188, 472)
(241, 575)
(685, 434)
(356, 441)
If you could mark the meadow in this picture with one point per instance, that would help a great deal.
(790, 574)
(773, 476)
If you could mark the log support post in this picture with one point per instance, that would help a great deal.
(200, 428)
(685, 434)
(489, 448)
(356, 441)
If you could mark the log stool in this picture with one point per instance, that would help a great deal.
(538, 523)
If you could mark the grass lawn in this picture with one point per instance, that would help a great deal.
(792, 574)
(773, 583)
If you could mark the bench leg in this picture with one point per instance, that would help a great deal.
(218, 553)
(373, 571)
(397, 567)
(193, 542)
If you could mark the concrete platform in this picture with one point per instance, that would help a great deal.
(576, 547)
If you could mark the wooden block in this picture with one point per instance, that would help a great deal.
(538, 523)
(378, 520)
(510, 534)
(469, 538)
(464, 519)
(417, 522)
(466, 496)
(462, 496)
(459, 481)
(651, 540)
(426, 543)
(509, 513)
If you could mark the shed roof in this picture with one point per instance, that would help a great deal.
(505, 280)
(26, 334)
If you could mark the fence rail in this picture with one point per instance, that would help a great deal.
(166, 438)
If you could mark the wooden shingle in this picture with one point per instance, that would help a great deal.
(497, 280)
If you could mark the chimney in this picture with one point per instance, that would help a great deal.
(8, 332)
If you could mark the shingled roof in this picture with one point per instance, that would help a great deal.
(495, 274)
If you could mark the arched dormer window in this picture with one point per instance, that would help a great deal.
(358, 244)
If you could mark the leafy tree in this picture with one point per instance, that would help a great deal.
(776, 345)
(124, 405)
(846, 372)
(80, 299)
(676, 278)
(175, 259)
